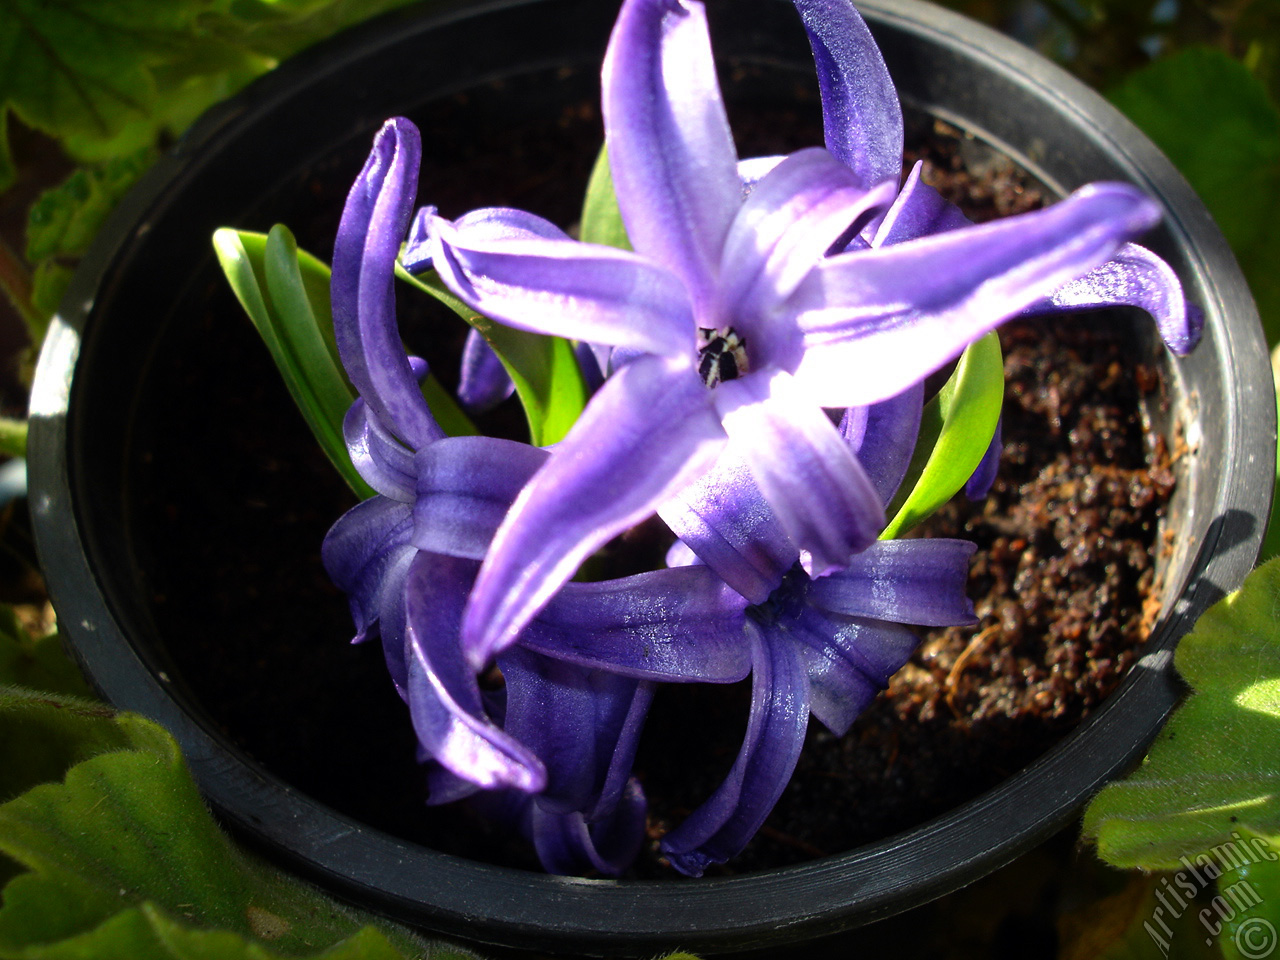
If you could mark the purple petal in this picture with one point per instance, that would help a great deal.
(364, 552)
(577, 290)
(649, 430)
(984, 475)
(465, 487)
(444, 700)
(373, 224)
(483, 381)
(569, 844)
(575, 720)
(381, 459)
(883, 436)
(487, 223)
(790, 220)
(724, 823)
(848, 661)
(754, 169)
(670, 150)
(906, 581)
(820, 493)
(862, 119)
(918, 211)
(679, 625)
(1134, 277)
(878, 320)
(724, 519)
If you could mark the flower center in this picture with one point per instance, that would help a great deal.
(786, 601)
(722, 355)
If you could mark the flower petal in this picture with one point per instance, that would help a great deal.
(483, 381)
(670, 150)
(382, 460)
(883, 437)
(649, 430)
(821, 495)
(1134, 277)
(727, 522)
(465, 487)
(569, 844)
(791, 219)
(848, 661)
(862, 119)
(678, 625)
(918, 211)
(361, 550)
(725, 822)
(444, 700)
(577, 290)
(574, 719)
(984, 475)
(374, 221)
(878, 320)
(487, 223)
(907, 581)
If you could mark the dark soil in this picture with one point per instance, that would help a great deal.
(231, 499)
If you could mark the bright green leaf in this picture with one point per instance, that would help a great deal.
(1247, 905)
(285, 291)
(601, 218)
(128, 829)
(544, 369)
(1220, 127)
(84, 68)
(955, 432)
(13, 437)
(1215, 768)
(266, 273)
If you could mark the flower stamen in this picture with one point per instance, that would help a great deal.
(722, 355)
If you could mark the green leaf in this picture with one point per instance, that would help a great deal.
(13, 437)
(128, 830)
(1246, 905)
(601, 218)
(267, 274)
(544, 369)
(39, 663)
(955, 432)
(1220, 127)
(64, 219)
(1214, 768)
(42, 734)
(146, 933)
(85, 68)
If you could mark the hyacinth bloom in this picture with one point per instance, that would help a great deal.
(822, 645)
(758, 294)
(729, 326)
(407, 559)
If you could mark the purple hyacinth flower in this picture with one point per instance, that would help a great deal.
(408, 557)
(822, 645)
(738, 330)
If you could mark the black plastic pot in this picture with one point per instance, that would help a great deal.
(504, 62)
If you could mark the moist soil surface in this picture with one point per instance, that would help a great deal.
(231, 499)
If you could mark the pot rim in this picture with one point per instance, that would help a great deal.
(512, 907)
